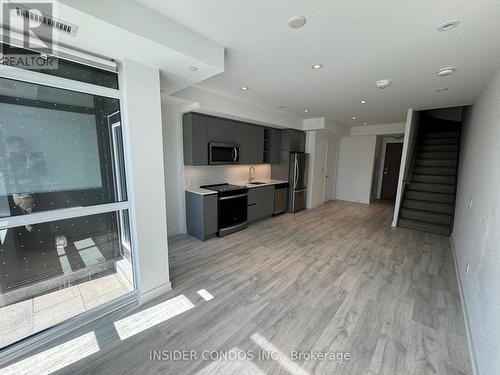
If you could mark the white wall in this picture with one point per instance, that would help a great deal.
(355, 167)
(225, 106)
(316, 146)
(476, 232)
(380, 129)
(142, 113)
(317, 123)
(410, 139)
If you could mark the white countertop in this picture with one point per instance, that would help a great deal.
(198, 190)
(266, 182)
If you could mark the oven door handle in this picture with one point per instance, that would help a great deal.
(233, 197)
(235, 155)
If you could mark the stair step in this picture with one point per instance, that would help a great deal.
(438, 155)
(431, 179)
(439, 171)
(425, 227)
(439, 148)
(433, 188)
(452, 134)
(440, 208)
(439, 141)
(435, 163)
(426, 216)
(430, 197)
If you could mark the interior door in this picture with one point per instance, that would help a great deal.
(392, 163)
(331, 170)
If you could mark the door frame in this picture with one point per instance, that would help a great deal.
(385, 141)
(333, 176)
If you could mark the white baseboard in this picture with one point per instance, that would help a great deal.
(155, 293)
(470, 343)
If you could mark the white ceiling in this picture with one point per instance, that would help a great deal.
(359, 42)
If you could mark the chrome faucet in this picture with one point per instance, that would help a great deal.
(250, 178)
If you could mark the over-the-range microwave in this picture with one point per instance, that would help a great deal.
(223, 153)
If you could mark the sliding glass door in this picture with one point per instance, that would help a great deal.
(64, 221)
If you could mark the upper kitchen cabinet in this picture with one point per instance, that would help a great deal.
(272, 146)
(221, 130)
(293, 140)
(251, 142)
(195, 139)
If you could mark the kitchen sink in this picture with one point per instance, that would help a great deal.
(257, 183)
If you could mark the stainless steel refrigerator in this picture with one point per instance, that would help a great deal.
(297, 177)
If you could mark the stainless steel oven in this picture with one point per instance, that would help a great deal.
(223, 153)
(233, 206)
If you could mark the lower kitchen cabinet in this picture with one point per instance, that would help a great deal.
(201, 215)
(260, 203)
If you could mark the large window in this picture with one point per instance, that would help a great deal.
(64, 219)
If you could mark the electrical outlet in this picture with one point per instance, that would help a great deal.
(470, 203)
(467, 269)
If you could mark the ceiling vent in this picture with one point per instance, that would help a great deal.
(49, 21)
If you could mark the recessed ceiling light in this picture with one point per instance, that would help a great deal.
(317, 66)
(244, 88)
(363, 102)
(306, 110)
(296, 22)
(354, 117)
(446, 71)
(192, 68)
(382, 84)
(364, 123)
(448, 25)
(443, 89)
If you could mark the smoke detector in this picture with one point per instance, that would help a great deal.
(382, 84)
(446, 71)
(296, 22)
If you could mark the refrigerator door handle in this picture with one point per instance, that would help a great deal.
(296, 177)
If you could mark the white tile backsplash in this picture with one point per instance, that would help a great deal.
(214, 174)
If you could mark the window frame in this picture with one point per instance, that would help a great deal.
(129, 300)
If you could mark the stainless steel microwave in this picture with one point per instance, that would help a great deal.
(223, 153)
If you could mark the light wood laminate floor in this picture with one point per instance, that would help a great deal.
(335, 279)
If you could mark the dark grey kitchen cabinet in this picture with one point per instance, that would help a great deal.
(293, 140)
(272, 146)
(251, 142)
(260, 203)
(201, 215)
(221, 130)
(195, 141)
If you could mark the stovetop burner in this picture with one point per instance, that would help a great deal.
(223, 188)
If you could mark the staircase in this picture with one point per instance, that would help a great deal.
(429, 198)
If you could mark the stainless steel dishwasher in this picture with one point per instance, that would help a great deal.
(280, 196)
